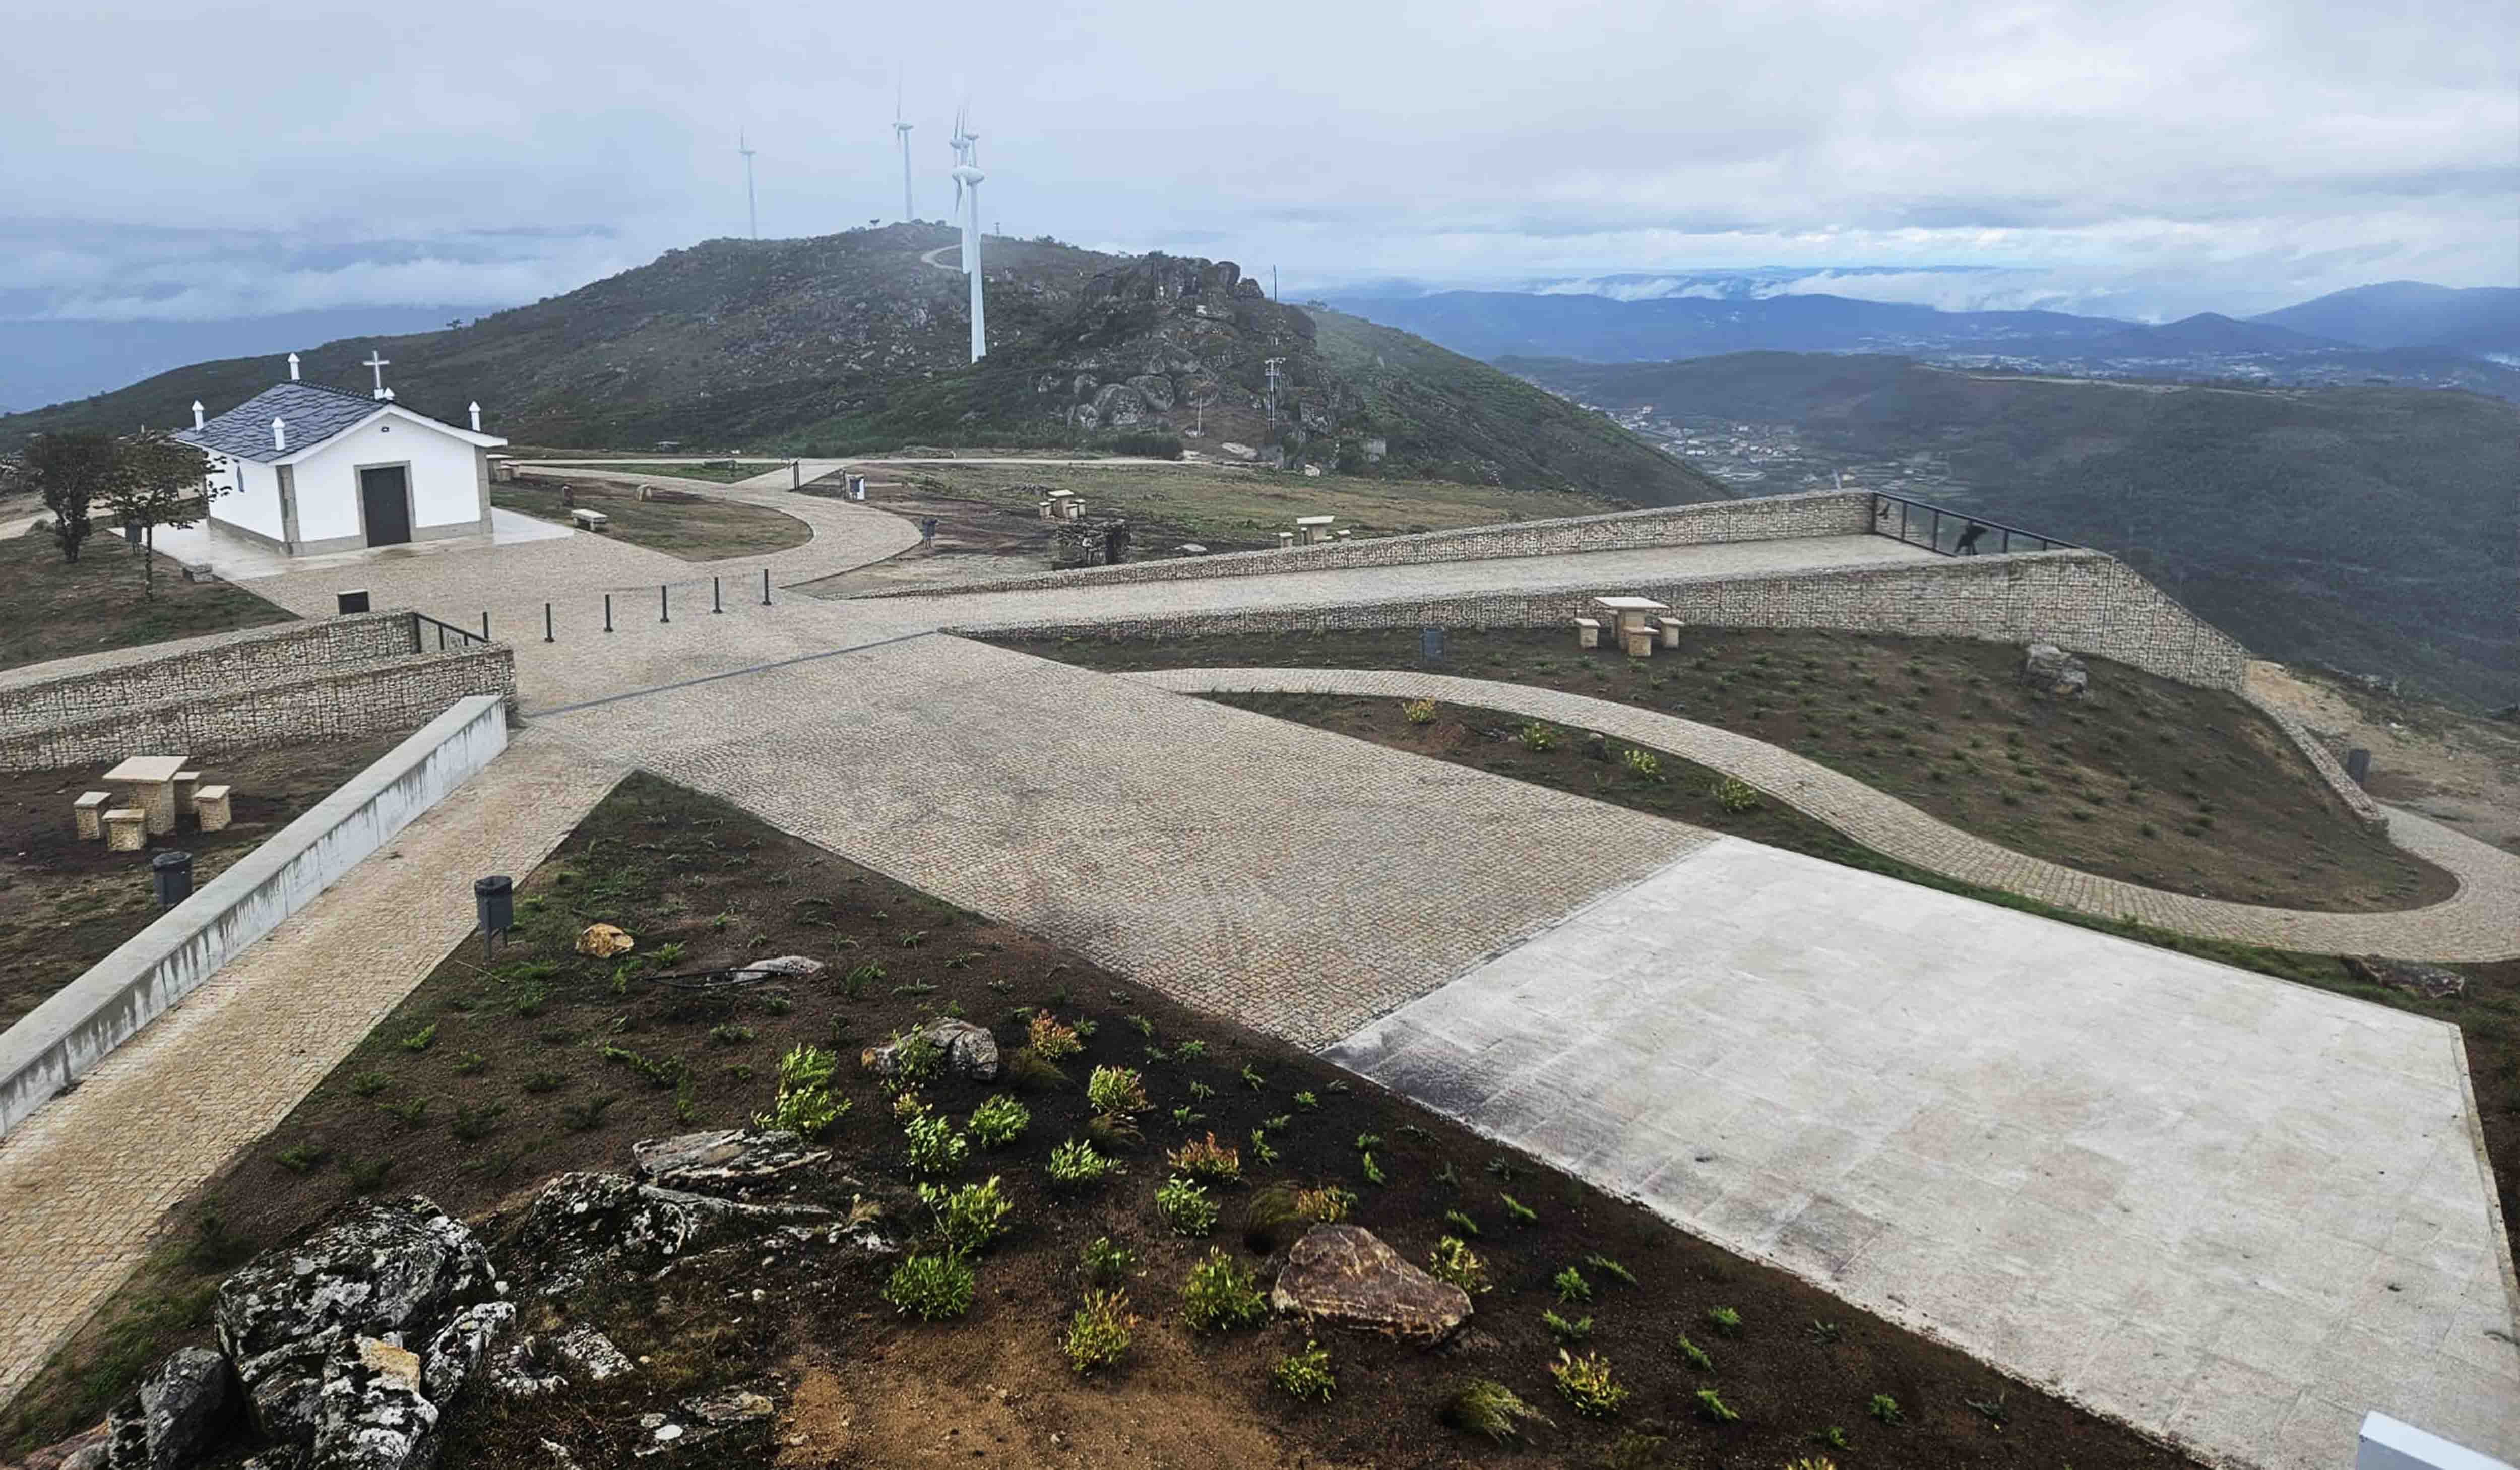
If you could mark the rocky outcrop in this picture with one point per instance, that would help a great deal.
(2429, 981)
(373, 1415)
(1344, 1274)
(180, 1408)
(583, 1223)
(85, 1451)
(2052, 670)
(795, 967)
(455, 1354)
(732, 1161)
(968, 1050)
(386, 1270)
(700, 1419)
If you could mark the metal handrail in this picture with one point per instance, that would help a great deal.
(1963, 544)
(463, 636)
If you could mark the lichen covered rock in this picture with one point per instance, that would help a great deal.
(1344, 1274)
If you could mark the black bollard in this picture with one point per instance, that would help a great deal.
(717, 597)
(485, 625)
(664, 610)
(172, 873)
(765, 587)
(608, 612)
(547, 623)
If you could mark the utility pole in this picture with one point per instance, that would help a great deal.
(751, 205)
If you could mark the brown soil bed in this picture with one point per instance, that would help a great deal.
(66, 903)
(2145, 781)
(975, 540)
(708, 528)
(488, 1080)
(51, 608)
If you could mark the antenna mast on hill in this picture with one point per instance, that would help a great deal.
(901, 130)
(752, 205)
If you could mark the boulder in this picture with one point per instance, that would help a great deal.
(1344, 1274)
(582, 1222)
(453, 1355)
(697, 1420)
(602, 941)
(1119, 406)
(383, 1268)
(178, 1411)
(85, 1451)
(528, 1368)
(796, 966)
(969, 1050)
(1238, 451)
(726, 1161)
(374, 1415)
(2051, 669)
(591, 1354)
(2430, 981)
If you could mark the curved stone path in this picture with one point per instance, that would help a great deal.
(2479, 922)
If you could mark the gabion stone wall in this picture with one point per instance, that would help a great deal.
(1825, 513)
(251, 656)
(2083, 601)
(403, 694)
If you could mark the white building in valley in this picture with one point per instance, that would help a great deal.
(309, 469)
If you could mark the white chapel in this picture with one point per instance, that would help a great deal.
(310, 469)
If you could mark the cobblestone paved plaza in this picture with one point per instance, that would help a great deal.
(1343, 895)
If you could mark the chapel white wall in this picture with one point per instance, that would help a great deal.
(254, 503)
(444, 476)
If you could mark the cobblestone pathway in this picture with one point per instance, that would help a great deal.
(86, 1181)
(2480, 922)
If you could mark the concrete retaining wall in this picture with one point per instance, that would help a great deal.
(255, 655)
(60, 1041)
(2083, 601)
(357, 701)
(1825, 512)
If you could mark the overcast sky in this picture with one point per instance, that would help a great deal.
(2146, 159)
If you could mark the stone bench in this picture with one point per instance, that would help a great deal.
(210, 808)
(590, 521)
(185, 781)
(126, 830)
(1669, 628)
(88, 812)
(1638, 642)
(1587, 632)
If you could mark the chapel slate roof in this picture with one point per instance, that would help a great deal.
(313, 414)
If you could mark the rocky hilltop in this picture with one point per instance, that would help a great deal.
(859, 341)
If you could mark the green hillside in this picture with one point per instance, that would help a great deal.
(860, 341)
(2373, 528)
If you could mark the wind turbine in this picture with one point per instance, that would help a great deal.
(901, 130)
(967, 183)
(751, 205)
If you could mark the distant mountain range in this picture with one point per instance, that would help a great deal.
(52, 361)
(2401, 332)
(2371, 528)
(859, 341)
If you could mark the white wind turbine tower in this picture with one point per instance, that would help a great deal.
(901, 130)
(966, 191)
(751, 205)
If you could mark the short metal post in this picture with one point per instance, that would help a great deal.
(717, 599)
(765, 587)
(485, 625)
(547, 623)
(608, 612)
(664, 610)
(796, 474)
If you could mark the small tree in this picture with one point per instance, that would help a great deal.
(158, 482)
(70, 470)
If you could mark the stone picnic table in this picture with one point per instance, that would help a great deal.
(147, 781)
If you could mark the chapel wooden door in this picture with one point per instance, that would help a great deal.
(385, 494)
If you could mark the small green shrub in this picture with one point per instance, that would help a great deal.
(422, 1040)
(1712, 1407)
(1190, 1051)
(1734, 795)
(545, 1082)
(804, 1104)
(1563, 1330)
(730, 1034)
(1326, 1205)
(1467, 1228)
(1074, 1164)
(970, 1217)
(1307, 1102)
(1116, 1092)
(1028, 1071)
(473, 1124)
(1049, 1039)
(1644, 764)
(1725, 1321)
(585, 1117)
(1221, 1293)
(930, 1288)
(917, 1061)
(1537, 737)
(1099, 1263)
(1305, 1374)
(1695, 1357)
(1589, 1384)
(302, 1159)
(467, 1063)
(1485, 1406)
(1185, 1207)
(1884, 1408)
(1417, 711)
(1611, 1268)
(368, 1084)
(999, 1121)
(1519, 1213)
(410, 1112)
(1097, 1335)
(368, 1175)
(1451, 1260)
(1372, 1170)
(1571, 1285)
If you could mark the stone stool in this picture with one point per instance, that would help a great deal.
(1639, 642)
(1670, 629)
(185, 781)
(210, 808)
(126, 830)
(1587, 632)
(86, 811)
(1286, 539)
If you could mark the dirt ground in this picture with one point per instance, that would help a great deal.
(2151, 782)
(490, 1079)
(976, 539)
(2452, 766)
(66, 903)
(705, 529)
(51, 608)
